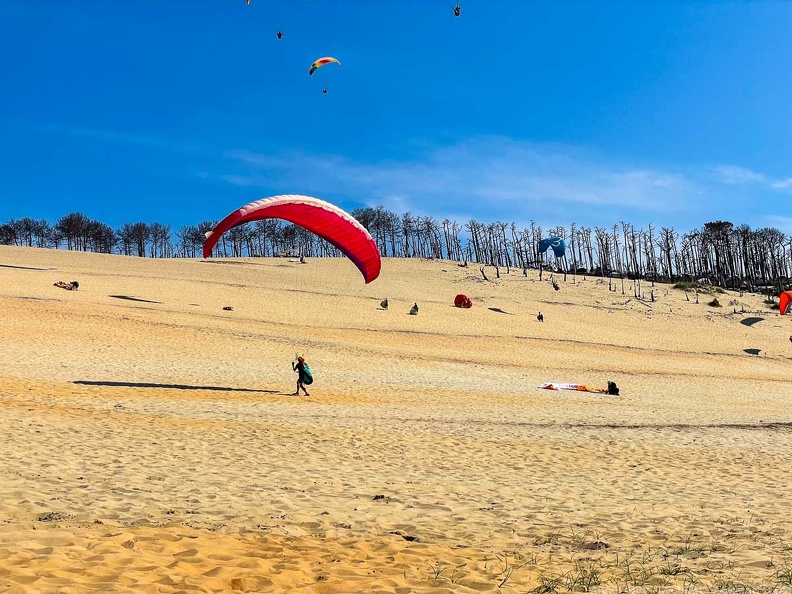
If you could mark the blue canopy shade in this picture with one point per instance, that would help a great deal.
(558, 245)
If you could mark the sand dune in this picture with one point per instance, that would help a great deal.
(149, 441)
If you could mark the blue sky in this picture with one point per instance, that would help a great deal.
(594, 112)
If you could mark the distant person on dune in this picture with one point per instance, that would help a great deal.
(304, 376)
(540, 317)
(414, 309)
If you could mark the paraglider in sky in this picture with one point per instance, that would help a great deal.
(279, 34)
(457, 9)
(327, 221)
(324, 91)
(785, 300)
(321, 62)
(558, 245)
(559, 249)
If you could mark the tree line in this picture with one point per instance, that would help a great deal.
(718, 253)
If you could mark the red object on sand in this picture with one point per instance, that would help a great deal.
(463, 301)
(784, 302)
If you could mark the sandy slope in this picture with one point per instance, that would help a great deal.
(148, 441)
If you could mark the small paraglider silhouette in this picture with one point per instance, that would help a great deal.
(324, 91)
(457, 9)
(279, 34)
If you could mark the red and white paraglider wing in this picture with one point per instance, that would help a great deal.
(327, 221)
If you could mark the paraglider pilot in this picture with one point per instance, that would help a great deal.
(279, 34)
(457, 10)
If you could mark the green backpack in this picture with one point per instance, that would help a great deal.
(308, 377)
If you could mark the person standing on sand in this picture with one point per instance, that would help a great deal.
(304, 377)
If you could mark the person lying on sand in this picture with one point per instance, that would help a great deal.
(72, 286)
(304, 376)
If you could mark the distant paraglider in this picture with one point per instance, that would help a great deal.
(457, 9)
(279, 34)
(321, 62)
(326, 220)
(556, 243)
(558, 246)
(324, 91)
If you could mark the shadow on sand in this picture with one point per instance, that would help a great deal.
(751, 321)
(752, 351)
(128, 298)
(170, 386)
(24, 267)
(499, 310)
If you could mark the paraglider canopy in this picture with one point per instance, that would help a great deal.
(321, 62)
(327, 221)
(558, 245)
(463, 301)
(784, 302)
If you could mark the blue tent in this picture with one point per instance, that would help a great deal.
(558, 245)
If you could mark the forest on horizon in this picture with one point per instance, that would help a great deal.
(719, 253)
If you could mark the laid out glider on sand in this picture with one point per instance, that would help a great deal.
(463, 301)
(784, 301)
(322, 62)
(575, 387)
(327, 221)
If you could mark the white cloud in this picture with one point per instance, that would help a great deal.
(739, 176)
(495, 177)
(127, 138)
(735, 175)
(780, 222)
(782, 184)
